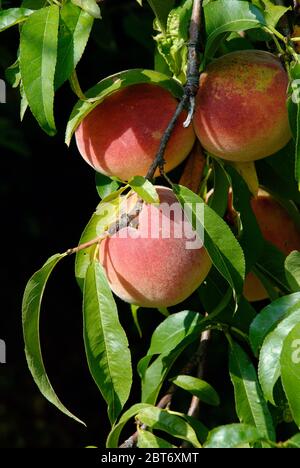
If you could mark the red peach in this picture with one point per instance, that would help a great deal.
(241, 112)
(152, 265)
(121, 136)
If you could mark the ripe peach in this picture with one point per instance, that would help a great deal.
(152, 265)
(241, 112)
(121, 136)
(279, 229)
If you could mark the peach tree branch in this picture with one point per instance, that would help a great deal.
(190, 88)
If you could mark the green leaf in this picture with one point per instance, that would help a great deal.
(293, 442)
(74, 30)
(144, 188)
(23, 103)
(105, 341)
(269, 317)
(13, 75)
(198, 387)
(148, 440)
(269, 358)
(232, 436)
(173, 330)
(292, 270)
(200, 429)
(13, 16)
(38, 54)
(153, 376)
(224, 16)
(294, 113)
(89, 6)
(168, 341)
(290, 370)
(161, 11)
(273, 13)
(169, 422)
(223, 248)
(172, 42)
(134, 312)
(114, 435)
(251, 406)
(115, 83)
(105, 185)
(31, 308)
(105, 214)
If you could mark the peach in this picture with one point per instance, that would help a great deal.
(241, 112)
(279, 229)
(153, 264)
(121, 136)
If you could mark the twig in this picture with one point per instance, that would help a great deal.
(124, 221)
(193, 74)
(159, 161)
(190, 89)
(204, 343)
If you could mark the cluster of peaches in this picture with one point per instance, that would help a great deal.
(240, 116)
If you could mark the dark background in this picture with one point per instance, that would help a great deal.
(47, 196)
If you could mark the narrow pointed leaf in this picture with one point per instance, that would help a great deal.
(38, 55)
(31, 309)
(13, 16)
(74, 30)
(105, 341)
(290, 371)
(224, 16)
(292, 270)
(161, 11)
(89, 6)
(166, 421)
(269, 317)
(251, 406)
(197, 387)
(232, 436)
(293, 442)
(106, 213)
(269, 358)
(148, 440)
(144, 189)
(114, 435)
(223, 248)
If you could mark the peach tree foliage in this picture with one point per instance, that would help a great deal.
(263, 342)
